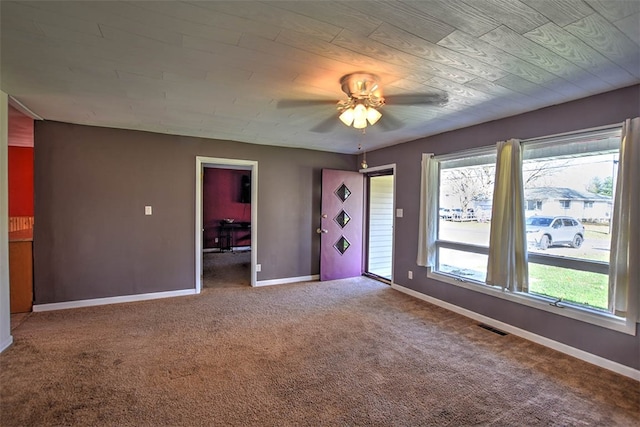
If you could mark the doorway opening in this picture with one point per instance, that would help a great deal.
(226, 222)
(380, 223)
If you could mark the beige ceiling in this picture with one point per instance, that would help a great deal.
(217, 69)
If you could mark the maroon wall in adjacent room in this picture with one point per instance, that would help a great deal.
(222, 198)
(20, 181)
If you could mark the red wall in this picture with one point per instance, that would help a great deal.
(20, 139)
(20, 181)
(221, 195)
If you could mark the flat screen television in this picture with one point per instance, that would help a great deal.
(245, 189)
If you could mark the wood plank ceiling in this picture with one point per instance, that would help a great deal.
(217, 69)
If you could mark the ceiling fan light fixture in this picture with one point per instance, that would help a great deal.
(364, 100)
(373, 115)
(360, 116)
(347, 116)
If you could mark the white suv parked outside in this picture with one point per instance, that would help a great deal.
(545, 231)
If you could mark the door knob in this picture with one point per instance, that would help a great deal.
(321, 230)
(324, 215)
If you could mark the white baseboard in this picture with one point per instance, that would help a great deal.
(6, 344)
(111, 300)
(538, 339)
(288, 280)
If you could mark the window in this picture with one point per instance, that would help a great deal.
(568, 249)
(466, 191)
(569, 260)
(534, 205)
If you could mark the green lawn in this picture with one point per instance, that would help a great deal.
(579, 287)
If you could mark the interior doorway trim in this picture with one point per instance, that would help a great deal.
(5, 294)
(216, 162)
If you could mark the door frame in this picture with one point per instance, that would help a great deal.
(221, 163)
(6, 339)
(365, 246)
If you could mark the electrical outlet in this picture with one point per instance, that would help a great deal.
(410, 274)
(148, 210)
(258, 268)
(216, 240)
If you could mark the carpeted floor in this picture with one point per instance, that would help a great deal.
(226, 269)
(350, 353)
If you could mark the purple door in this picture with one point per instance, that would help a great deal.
(341, 224)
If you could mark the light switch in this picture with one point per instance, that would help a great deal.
(399, 213)
(148, 210)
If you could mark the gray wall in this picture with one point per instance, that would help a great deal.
(92, 239)
(604, 109)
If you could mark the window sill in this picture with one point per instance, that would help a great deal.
(593, 317)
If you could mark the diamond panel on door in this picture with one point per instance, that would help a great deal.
(342, 245)
(342, 219)
(343, 193)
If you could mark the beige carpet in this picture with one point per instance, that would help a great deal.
(226, 269)
(347, 353)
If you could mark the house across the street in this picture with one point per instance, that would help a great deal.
(587, 206)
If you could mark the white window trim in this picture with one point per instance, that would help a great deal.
(581, 313)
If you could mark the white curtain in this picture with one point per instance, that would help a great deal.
(427, 232)
(624, 264)
(507, 265)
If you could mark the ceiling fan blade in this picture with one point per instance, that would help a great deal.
(417, 99)
(389, 122)
(326, 125)
(296, 103)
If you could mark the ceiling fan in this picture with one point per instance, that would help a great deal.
(364, 100)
